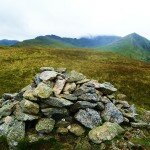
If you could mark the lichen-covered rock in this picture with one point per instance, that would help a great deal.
(76, 129)
(88, 117)
(107, 88)
(43, 91)
(45, 125)
(89, 97)
(70, 97)
(29, 94)
(62, 130)
(8, 96)
(57, 102)
(112, 114)
(48, 75)
(105, 132)
(69, 88)
(59, 85)
(29, 107)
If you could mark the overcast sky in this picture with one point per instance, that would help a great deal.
(23, 19)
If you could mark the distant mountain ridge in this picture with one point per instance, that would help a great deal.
(6, 42)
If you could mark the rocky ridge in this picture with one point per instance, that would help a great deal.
(67, 102)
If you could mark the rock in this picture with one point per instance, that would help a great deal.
(89, 97)
(95, 83)
(37, 79)
(76, 129)
(70, 97)
(8, 96)
(61, 70)
(88, 117)
(62, 123)
(14, 132)
(69, 88)
(45, 125)
(62, 130)
(107, 88)
(46, 69)
(48, 75)
(83, 81)
(140, 125)
(29, 94)
(23, 116)
(105, 132)
(100, 106)
(8, 120)
(57, 102)
(59, 85)
(82, 104)
(112, 114)
(6, 110)
(146, 116)
(26, 88)
(29, 107)
(43, 91)
(75, 76)
(124, 104)
(55, 112)
(105, 100)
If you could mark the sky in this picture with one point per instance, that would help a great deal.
(26, 19)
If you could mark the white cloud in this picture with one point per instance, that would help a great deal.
(22, 19)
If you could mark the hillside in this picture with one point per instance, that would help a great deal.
(59, 42)
(133, 46)
(8, 42)
(19, 65)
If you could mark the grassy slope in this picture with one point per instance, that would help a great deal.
(19, 65)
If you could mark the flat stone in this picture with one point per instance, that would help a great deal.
(8, 96)
(107, 88)
(48, 75)
(59, 85)
(125, 104)
(140, 125)
(105, 132)
(83, 81)
(89, 97)
(52, 112)
(75, 76)
(29, 107)
(69, 88)
(88, 117)
(76, 129)
(61, 70)
(57, 102)
(43, 91)
(45, 125)
(112, 114)
(70, 97)
(82, 104)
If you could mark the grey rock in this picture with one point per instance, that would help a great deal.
(112, 114)
(37, 79)
(29, 94)
(100, 106)
(29, 107)
(82, 104)
(140, 125)
(52, 112)
(83, 81)
(89, 97)
(57, 102)
(105, 100)
(105, 132)
(107, 88)
(88, 117)
(43, 91)
(8, 96)
(61, 70)
(69, 88)
(48, 75)
(59, 85)
(124, 104)
(75, 76)
(45, 125)
(70, 97)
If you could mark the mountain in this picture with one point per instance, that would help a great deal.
(132, 45)
(56, 41)
(8, 42)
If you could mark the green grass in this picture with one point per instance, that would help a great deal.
(131, 77)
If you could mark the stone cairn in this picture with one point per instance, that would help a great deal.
(68, 102)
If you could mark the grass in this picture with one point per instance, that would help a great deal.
(131, 77)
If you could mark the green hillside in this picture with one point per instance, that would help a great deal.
(133, 46)
(131, 77)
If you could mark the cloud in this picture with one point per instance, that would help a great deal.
(23, 19)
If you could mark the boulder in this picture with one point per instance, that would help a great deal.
(112, 114)
(43, 91)
(107, 88)
(88, 117)
(45, 125)
(105, 132)
(75, 76)
(57, 102)
(29, 107)
(82, 104)
(76, 129)
(48, 75)
(59, 85)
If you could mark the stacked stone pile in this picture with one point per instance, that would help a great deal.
(67, 102)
